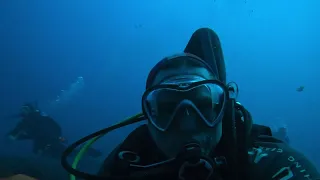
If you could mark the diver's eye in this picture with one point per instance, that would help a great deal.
(167, 107)
(151, 109)
(204, 103)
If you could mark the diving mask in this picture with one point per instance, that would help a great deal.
(162, 103)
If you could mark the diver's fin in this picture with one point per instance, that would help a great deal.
(205, 44)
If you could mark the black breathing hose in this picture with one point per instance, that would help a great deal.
(230, 138)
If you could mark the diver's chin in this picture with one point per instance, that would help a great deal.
(174, 147)
(206, 142)
(172, 143)
(170, 153)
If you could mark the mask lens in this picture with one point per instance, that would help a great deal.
(163, 103)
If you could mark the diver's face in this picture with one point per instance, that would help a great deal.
(187, 126)
(283, 130)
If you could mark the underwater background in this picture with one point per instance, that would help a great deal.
(100, 53)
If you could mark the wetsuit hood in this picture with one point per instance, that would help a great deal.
(205, 45)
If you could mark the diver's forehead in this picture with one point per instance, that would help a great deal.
(169, 73)
(201, 92)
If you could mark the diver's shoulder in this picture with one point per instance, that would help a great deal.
(272, 157)
(271, 145)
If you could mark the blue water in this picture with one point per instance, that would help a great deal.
(270, 47)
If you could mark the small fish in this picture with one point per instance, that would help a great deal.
(300, 89)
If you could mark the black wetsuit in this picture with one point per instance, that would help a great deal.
(45, 133)
(267, 158)
(43, 130)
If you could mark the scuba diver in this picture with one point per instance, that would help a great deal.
(44, 131)
(37, 126)
(195, 128)
(300, 89)
(281, 133)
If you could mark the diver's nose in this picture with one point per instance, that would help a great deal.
(188, 121)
